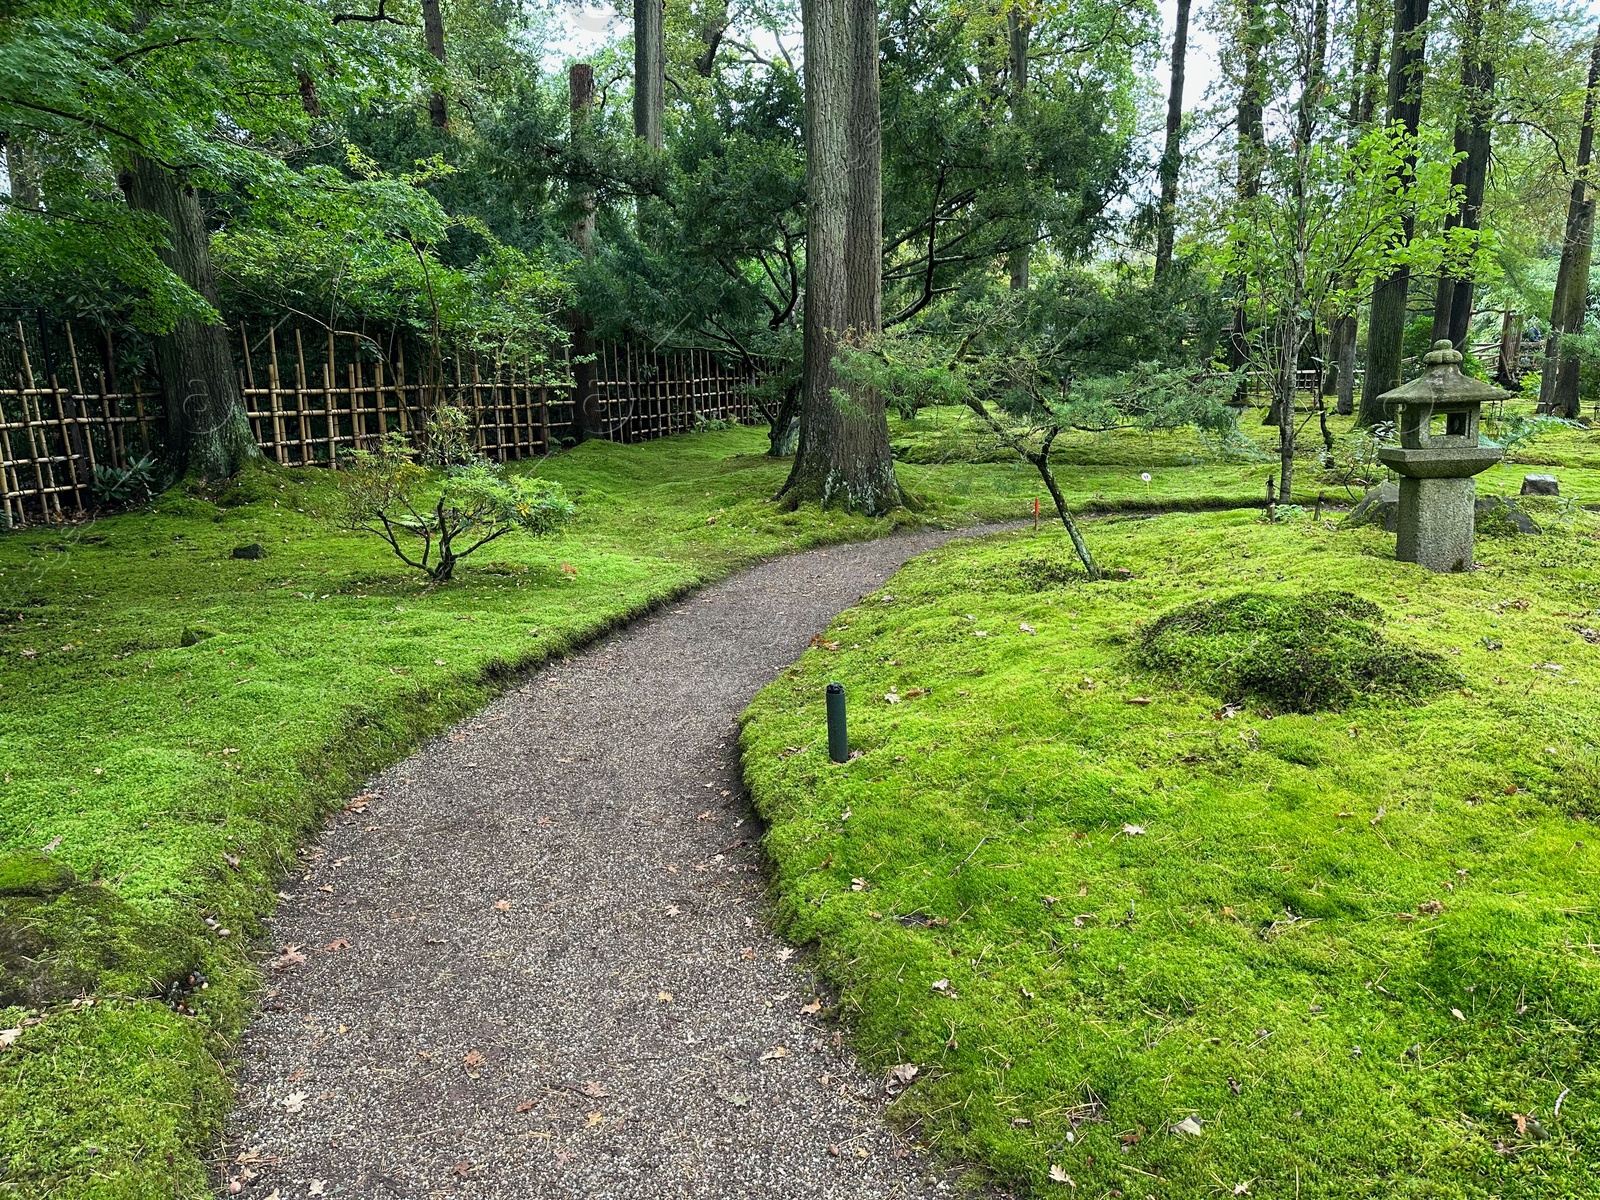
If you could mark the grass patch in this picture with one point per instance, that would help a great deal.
(1356, 947)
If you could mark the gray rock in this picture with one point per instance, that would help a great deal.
(254, 550)
(1540, 485)
(1496, 516)
(1380, 506)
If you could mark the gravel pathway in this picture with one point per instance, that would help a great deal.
(535, 960)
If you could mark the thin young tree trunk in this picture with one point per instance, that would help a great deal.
(208, 433)
(580, 98)
(649, 72)
(843, 456)
(1018, 29)
(1386, 326)
(433, 38)
(1251, 142)
(1452, 307)
(1558, 384)
(1172, 154)
(1367, 56)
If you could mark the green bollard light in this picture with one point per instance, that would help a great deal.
(838, 739)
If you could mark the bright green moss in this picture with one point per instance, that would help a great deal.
(1298, 653)
(1353, 944)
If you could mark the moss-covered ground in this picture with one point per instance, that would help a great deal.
(1360, 948)
(175, 721)
(1102, 471)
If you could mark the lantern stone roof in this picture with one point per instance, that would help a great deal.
(1443, 383)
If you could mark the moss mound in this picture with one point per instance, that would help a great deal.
(1306, 653)
(61, 937)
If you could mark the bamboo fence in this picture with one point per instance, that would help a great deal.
(312, 400)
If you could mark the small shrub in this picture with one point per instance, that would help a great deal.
(1306, 653)
(388, 493)
(132, 484)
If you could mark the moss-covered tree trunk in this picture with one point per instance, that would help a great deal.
(208, 433)
(1386, 325)
(843, 454)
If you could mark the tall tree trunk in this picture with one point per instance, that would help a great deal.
(1344, 357)
(580, 98)
(433, 37)
(1367, 56)
(1172, 154)
(1452, 306)
(1558, 384)
(843, 457)
(1506, 371)
(208, 433)
(1251, 149)
(1386, 326)
(649, 72)
(1018, 29)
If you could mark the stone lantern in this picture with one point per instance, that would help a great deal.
(1436, 419)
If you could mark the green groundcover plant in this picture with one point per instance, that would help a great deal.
(1143, 935)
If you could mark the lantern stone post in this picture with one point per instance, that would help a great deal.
(1436, 419)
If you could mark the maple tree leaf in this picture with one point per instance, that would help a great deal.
(336, 945)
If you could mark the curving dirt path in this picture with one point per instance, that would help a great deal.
(536, 963)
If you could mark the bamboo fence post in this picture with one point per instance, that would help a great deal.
(400, 388)
(331, 417)
(38, 447)
(8, 464)
(256, 426)
(82, 440)
(301, 413)
(275, 399)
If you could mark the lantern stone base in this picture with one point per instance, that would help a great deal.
(1435, 523)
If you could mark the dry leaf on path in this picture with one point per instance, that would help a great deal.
(502, 905)
(595, 1091)
(294, 1102)
(810, 1009)
(664, 997)
(473, 1060)
(317, 1187)
(775, 1053)
(337, 945)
